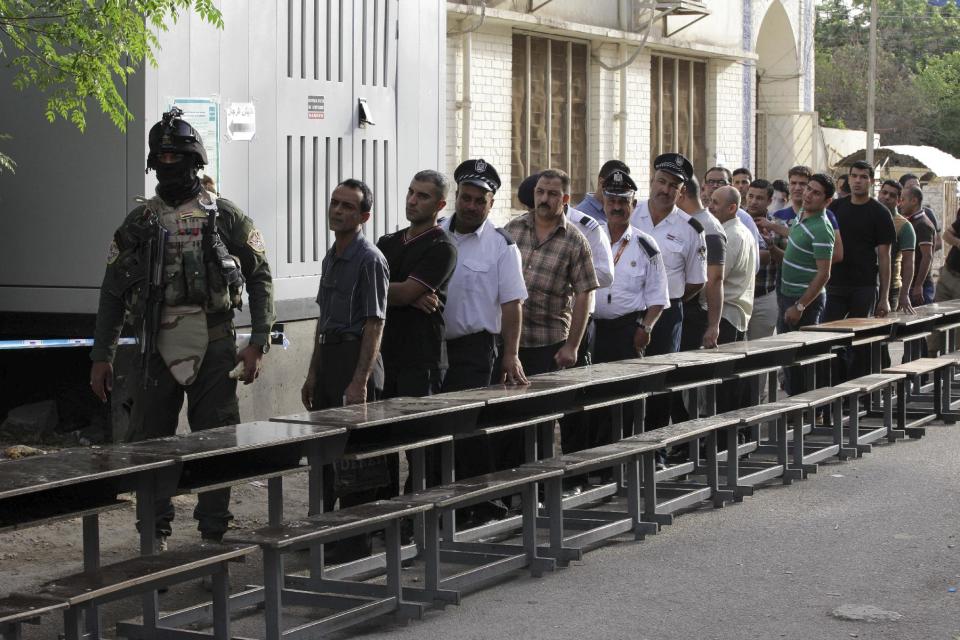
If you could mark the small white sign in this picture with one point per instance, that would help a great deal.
(204, 115)
(241, 121)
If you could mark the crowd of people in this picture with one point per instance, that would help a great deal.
(454, 303)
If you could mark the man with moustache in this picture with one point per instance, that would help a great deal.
(763, 321)
(486, 291)
(628, 309)
(559, 275)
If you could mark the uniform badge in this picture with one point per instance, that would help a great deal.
(480, 166)
(113, 252)
(633, 263)
(255, 240)
(702, 252)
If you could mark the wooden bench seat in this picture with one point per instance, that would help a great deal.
(919, 408)
(83, 592)
(19, 609)
(825, 440)
(349, 607)
(485, 560)
(878, 422)
(601, 523)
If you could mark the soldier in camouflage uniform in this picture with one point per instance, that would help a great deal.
(207, 244)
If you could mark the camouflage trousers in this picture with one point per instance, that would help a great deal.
(211, 402)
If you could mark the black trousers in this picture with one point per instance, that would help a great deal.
(694, 325)
(338, 362)
(664, 339)
(850, 302)
(507, 447)
(614, 341)
(411, 382)
(585, 351)
(471, 359)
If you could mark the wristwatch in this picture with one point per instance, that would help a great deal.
(645, 328)
(800, 306)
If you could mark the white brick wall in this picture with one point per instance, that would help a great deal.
(725, 113)
(491, 113)
(729, 107)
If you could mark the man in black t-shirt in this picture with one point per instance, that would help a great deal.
(868, 231)
(422, 258)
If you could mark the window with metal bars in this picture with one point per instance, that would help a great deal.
(550, 91)
(678, 109)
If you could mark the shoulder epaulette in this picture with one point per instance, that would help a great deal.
(589, 222)
(650, 250)
(693, 222)
(506, 236)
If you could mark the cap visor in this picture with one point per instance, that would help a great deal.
(477, 182)
(619, 194)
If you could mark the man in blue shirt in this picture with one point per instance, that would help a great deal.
(592, 205)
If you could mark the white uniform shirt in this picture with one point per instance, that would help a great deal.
(682, 246)
(640, 279)
(599, 240)
(488, 274)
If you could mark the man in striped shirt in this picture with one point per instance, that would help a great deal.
(806, 261)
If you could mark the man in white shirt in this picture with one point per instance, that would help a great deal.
(486, 291)
(628, 309)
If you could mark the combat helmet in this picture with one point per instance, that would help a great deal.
(173, 134)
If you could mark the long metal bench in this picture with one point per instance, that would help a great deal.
(916, 412)
(144, 575)
(825, 441)
(349, 607)
(597, 524)
(681, 495)
(17, 610)
(877, 422)
(486, 560)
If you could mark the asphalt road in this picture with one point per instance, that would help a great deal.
(881, 530)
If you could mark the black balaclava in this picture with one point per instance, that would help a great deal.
(178, 181)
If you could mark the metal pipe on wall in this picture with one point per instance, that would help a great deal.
(622, 151)
(466, 107)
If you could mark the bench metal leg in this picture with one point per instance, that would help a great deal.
(639, 416)
(315, 507)
(719, 496)
(537, 565)
(418, 482)
(272, 594)
(275, 501)
(553, 488)
(72, 623)
(91, 562)
(11, 631)
(146, 499)
(221, 602)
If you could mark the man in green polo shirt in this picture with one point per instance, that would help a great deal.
(806, 261)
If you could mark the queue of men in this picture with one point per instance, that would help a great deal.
(453, 302)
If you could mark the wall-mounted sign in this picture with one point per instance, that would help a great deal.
(315, 108)
(241, 121)
(204, 115)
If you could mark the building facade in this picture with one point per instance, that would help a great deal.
(531, 84)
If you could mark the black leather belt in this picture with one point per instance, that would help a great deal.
(335, 337)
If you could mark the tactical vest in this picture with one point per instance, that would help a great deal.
(190, 277)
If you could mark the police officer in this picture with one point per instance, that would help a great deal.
(486, 293)
(628, 309)
(592, 204)
(596, 235)
(681, 241)
(176, 266)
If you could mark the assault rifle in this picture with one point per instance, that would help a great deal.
(153, 291)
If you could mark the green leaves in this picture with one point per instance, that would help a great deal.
(78, 51)
(918, 70)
